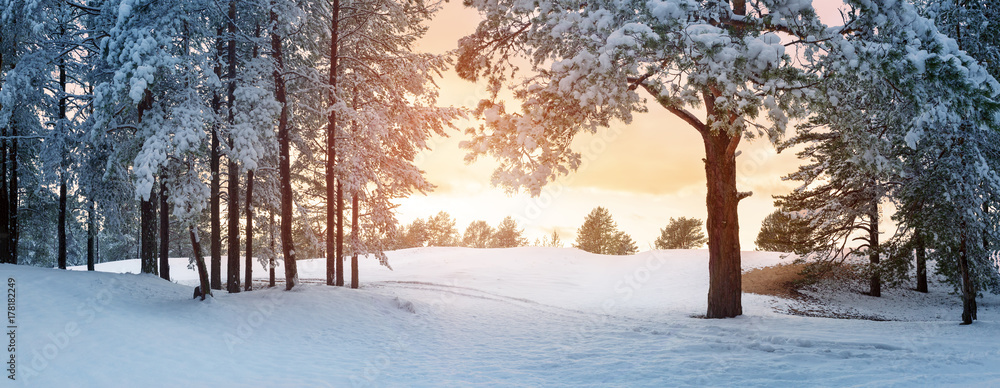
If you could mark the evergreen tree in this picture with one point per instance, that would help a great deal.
(441, 231)
(599, 234)
(591, 60)
(784, 232)
(477, 235)
(507, 235)
(623, 245)
(414, 235)
(681, 233)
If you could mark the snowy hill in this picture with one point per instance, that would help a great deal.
(460, 317)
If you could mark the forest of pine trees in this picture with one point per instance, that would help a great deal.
(183, 119)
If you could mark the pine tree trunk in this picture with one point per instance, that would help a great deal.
(92, 235)
(968, 288)
(270, 260)
(4, 214)
(15, 229)
(233, 209)
(63, 170)
(62, 221)
(340, 235)
(921, 262)
(354, 241)
(331, 152)
(199, 261)
(725, 288)
(5, 253)
(164, 233)
(233, 227)
(284, 162)
(248, 280)
(875, 286)
(147, 235)
(215, 196)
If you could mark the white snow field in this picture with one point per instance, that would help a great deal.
(473, 317)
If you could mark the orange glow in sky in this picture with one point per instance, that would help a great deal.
(644, 173)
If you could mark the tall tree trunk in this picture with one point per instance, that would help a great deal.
(147, 234)
(199, 261)
(248, 280)
(969, 308)
(725, 288)
(354, 241)
(340, 235)
(875, 286)
(92, 235)
(5, 253)
(164, 233)
(233, 209)
(63, 167)
(331, 151)
(215, 196)
(284, 162)
(921, 262)
(15, 225)
(62, 221)
(271, 263)
(724, 280)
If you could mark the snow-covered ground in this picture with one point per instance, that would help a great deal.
(460, 317)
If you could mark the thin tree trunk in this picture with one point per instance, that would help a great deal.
(921, 262)
(969, 308)
(248, 280)
(725, 288)
(5, 253)
(62, 221)
(331, 152)
(354, 241)
(284, 162)
(215, 196)
(340, 235)
(270, 260)
(233, 209)
(875, 286)
(164, 233)
(15, 225)
(92, 235)
(63, 168)
(199, 261)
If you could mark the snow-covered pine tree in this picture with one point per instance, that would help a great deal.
(948, 200)
(591, 59)
(847, 143)
(278, 13)
(154, 109)
(386, 108)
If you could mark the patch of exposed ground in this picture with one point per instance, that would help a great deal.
(780, 280)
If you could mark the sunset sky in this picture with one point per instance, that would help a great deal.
(651, 171)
